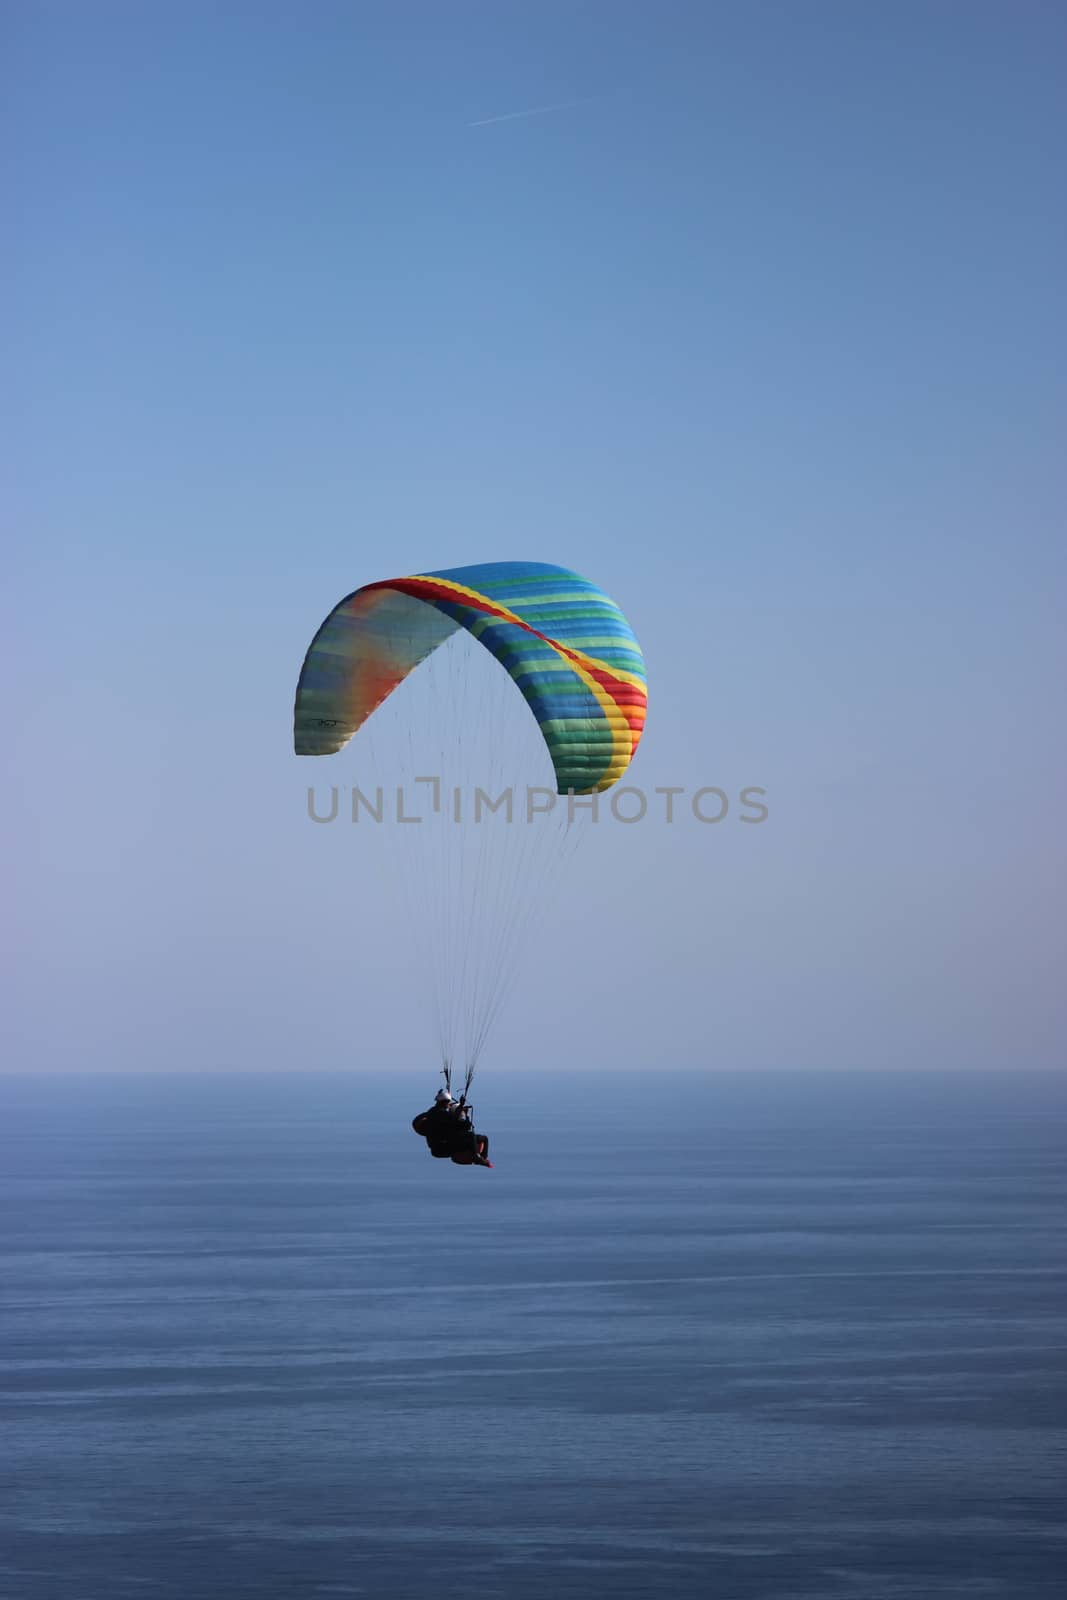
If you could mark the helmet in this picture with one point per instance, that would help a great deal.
(443, 1097)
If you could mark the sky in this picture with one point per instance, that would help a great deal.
(761, 327)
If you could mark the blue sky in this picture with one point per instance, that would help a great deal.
(764, 333)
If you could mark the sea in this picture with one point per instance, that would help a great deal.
(767, 1336)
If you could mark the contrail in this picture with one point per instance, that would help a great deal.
(535, 111)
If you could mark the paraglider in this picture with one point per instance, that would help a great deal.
(448, 1128)
(475, 872)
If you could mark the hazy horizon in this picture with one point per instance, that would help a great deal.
(424, 1079)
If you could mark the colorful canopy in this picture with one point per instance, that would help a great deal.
(567, 647)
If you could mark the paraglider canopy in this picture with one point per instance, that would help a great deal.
(568, 649)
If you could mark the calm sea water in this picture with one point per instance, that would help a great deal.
(777, 1336)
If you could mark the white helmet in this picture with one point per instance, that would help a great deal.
(443, 1097)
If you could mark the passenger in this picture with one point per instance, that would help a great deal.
(472, 1149)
